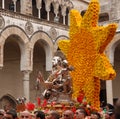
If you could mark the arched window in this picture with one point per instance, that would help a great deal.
(103, 17)
(8, 101)
(18, 6)
(83, 12)
(66, 17)
(34, 9)
(52, 15)
(0, 3)
(43, 11)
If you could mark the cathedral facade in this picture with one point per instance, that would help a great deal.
(29, 33)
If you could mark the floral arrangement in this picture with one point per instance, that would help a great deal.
(85, 52)
(82, 103)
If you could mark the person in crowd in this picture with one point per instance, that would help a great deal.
(7, 107)
(11, 114)
(1, 113)
(111, 114)
(68, 114)
(25, 115)
(53, 115)
(117, 109)
(95, 115)
(39, 115)
(80, 113)
(109, 107)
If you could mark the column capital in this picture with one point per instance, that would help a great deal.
(63, 10)
(56, 7)
(14, 0)
(47, 5)
(38, 4)
(26, 71)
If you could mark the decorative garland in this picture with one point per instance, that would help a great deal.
(85, 52)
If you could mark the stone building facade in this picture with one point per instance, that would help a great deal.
(29, 33)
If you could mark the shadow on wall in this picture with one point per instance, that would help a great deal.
(7, 102)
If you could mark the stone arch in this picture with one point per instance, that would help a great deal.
(8, 101)
(57, 51)
(103, 17)
(47, 43)
(61, 37)
(23, 39)
(12, 29)
(113, 53)
(112, 46)
(83, 12)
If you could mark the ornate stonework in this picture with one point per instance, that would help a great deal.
(2, 22)
(29, 28)
(53, 33)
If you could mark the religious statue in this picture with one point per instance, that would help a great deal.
(59, 81)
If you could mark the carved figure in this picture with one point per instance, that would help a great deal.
(59, 80)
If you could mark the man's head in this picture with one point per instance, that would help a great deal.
(39, 115)
(111, 114)
(1, 113)
(25, 115)
(109, 106)
(53, 115)
(95, 115)
(80, 113)
(117, 109)
(68, 114)
(11, 114)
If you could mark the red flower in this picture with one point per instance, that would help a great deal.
(38, 101)
(80, 98)
(74, 109)
(84, 103)
(30, 106)
(53, 103)
(44, 103)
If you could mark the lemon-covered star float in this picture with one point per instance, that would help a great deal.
(85, 52)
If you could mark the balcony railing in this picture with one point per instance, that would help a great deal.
(32, 19)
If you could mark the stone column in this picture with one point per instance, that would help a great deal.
(68, 19)
(38, 5)
(14, 1)
(47, 7)
(56, 10)
(39, 14)
(26, 87)
(64, 13)
(64, 20)
(109, 88)
(1, 56)
(3, 4)
(109, 91)
(48, 15)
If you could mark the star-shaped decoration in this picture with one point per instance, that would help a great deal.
(85, 52)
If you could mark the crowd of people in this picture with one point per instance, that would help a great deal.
(51, 114)
(108, 112)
